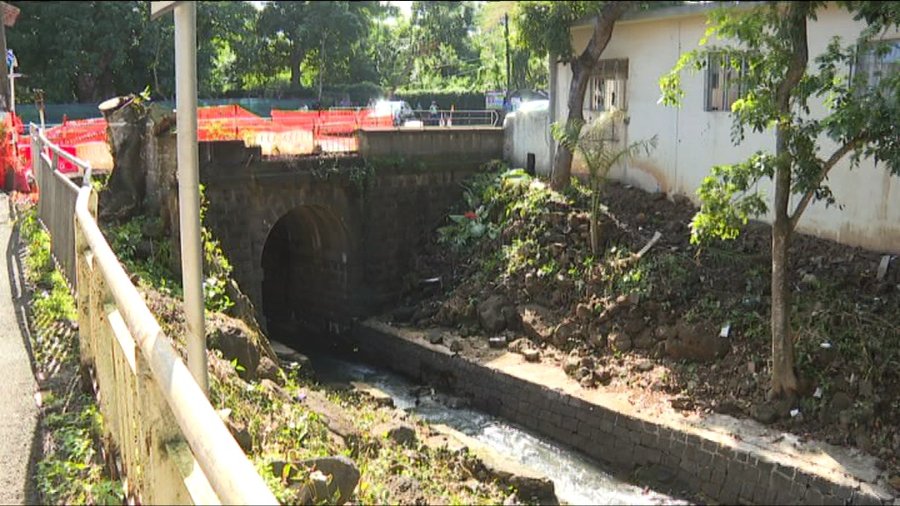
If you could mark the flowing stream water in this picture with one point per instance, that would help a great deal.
(577, 479)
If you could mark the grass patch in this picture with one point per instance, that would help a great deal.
(70, 470)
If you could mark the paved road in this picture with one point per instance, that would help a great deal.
(18, 413)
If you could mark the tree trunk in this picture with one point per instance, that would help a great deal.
(296, 58)
(581, 70)
(4, 78)
(595, 219)
(562, 162)
(784, 379)
(127, 124)
(321, 69)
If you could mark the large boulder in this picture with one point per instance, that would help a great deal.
(236, 342)
(697, 343)
(401, 433)
(343, 477)
(330, 480)
(491, 313)
(536, 322)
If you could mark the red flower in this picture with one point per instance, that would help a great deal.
(471, 215)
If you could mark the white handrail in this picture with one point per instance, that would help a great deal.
(229, 472)
(226, 466)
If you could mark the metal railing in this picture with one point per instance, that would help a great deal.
(56, 205)
(458, 118)
(171, 444)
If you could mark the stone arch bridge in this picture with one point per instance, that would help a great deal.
(316, 241)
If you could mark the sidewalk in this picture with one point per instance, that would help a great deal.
(19, 436)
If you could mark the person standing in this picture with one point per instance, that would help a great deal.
(433, 110)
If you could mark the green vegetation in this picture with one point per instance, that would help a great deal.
(283, 429)
(596, 144)
(146, 253)
(70, 471)
(328, 52)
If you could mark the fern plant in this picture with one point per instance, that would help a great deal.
(600, 151)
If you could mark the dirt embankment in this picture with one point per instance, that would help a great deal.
(682, 324)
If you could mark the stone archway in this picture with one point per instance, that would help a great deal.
(306, 275)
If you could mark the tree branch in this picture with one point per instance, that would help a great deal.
(603, 28)
(826, 168)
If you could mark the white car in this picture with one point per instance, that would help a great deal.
(398, 109)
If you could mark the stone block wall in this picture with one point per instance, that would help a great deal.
(719, 471)
(369, 216)
(448, 146)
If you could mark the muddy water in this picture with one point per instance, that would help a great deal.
(577, 479)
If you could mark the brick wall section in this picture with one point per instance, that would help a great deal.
(702, 465)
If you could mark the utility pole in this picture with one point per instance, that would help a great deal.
(9, 13)
(188, 181)
(508, 65)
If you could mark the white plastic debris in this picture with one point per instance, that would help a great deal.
(883, 267)
(826, 345)
(795, 412)
(726, 329)
(818, 393)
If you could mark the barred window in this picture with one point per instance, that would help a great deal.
(722, 82)
(606, 86)
(877, 60)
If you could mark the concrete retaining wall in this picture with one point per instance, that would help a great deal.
(528, 133)
(448, 146)
(724, 472)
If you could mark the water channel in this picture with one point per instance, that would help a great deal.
(577, 479)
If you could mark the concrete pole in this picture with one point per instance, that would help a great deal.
(189, 187)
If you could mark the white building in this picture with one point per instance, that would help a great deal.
(697, 136)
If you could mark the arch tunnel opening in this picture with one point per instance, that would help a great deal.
(306, 283)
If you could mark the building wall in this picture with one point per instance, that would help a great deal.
(692, 140)
(528, 133)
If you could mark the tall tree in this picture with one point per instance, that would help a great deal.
(391, 48)
(443, 50)
(528, 68)
(545, 27)
(772, 53)
(321, 34)
(76, 51)
(89, 51)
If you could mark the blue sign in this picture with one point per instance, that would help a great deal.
(10, 58)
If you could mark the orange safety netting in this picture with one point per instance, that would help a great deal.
(287, 132)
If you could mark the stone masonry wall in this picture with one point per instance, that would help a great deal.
(384, 210)
(724, 473)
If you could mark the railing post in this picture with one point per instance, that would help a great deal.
(85, 272)
(163, 469)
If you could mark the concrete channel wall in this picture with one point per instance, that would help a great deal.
(724, 471)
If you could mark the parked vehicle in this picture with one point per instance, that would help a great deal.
(399, 110)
